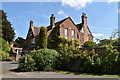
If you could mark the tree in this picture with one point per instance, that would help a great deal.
(89, 44)
(20, 41)
(104, 42)
(8, 33)
(5, 46)
(42, 39)
(4, 49)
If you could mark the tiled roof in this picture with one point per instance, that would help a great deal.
(79, 26)
(35, 30)
(58, 23)
(14, 49)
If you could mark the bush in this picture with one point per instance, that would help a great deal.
(45, 59)
(4, 46)
(26, 63)
(90, 44)
(4, 56)
(42, 38)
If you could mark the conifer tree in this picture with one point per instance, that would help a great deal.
(7, 31)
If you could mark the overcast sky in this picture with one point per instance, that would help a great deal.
(102, 16)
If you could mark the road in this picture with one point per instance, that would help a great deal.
(7, 72)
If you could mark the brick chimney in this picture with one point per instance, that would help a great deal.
(52, 21)
(31, 23)
(84, 18)
(85, 28)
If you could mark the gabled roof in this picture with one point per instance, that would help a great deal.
(79, 26)
(58, 23)
(35, 30)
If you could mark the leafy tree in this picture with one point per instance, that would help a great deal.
(4, 46)
(104, 42)
(20, 41)
(4, 49)
(42, 39)
(7, 31)
(89, 44)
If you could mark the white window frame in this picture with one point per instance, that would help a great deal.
(73, 34)
(33, 41)
(82, 30)
(66, 33)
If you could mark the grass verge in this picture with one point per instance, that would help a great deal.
(87, 74)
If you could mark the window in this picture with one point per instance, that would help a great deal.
(66, 33)
(33, 41)
(82, 30)
(73, 34)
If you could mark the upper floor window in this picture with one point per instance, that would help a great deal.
(73, 34)
(66, 33)
(33, 41)
(82, 30)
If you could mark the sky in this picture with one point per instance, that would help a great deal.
(102, 16)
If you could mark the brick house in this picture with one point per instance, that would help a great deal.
(66, 28)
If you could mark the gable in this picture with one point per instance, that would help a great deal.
(68, 23)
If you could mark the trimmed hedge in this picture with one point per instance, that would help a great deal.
(45, 59)
(26, 63)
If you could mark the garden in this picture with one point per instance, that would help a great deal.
(67, 56)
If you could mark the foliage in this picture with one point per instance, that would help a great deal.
(26, 63)
(90, 44)
(20, 41)
(89, 61)
(45, 59)
(4, 46)
(111, 62)
(62, 42)
(7, 31)
(104, 42)
(42, 39)
(4, 55)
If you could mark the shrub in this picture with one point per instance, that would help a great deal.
(45, 59)
(42, 39)
(90, 44)
(4, 46)
(26, 63)
(4, 55)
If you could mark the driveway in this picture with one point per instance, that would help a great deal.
(7, 72)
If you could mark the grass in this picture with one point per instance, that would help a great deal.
(87, 74)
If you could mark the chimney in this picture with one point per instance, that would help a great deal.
(52, 21)
(31, 23)
(84, 18)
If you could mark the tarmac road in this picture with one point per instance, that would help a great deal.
(8, 74)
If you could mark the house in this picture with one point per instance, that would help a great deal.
(16, 52)
(66, 28)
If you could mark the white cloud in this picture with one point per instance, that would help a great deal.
(61, 12)
(77, 4)
(109, 1)
(98, 35)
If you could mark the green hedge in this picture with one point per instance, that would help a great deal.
(26, 63)
(45, 59)
(4, 55)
